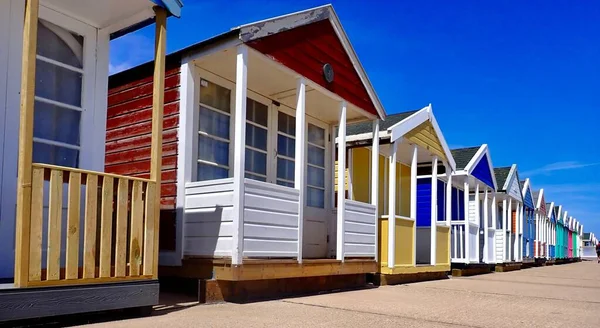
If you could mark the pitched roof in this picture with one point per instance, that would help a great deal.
(462, 156)
(501, 174)
(367, 127)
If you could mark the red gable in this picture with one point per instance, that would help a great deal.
(306, 49)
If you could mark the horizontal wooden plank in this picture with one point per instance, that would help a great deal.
(214, 214)
(209, 229)
(359, 227)
(356, 238)
(211, 246)
(270, 233)
(360, 217)
(137, 154)
(206, 187)
(112, 146)
(359, 250)
(209, 200)
(140, 103)
(270, 246)
(270, 218)
(141, 115)
(140, 129)
(140, 90)
(270, 204)
(168, 163)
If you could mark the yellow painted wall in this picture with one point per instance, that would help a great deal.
(361, 181)
(404, 191)
(443, 245)
(424, 135)
(404, 242)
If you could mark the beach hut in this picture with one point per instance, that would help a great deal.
(561, 234)
(529, 224)
(474, 229)
(509, 233)
(542, 225)
(415, 166)
(550, 210)
(250, 156)
(67, 233)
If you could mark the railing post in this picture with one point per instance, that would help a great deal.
(158, 95)
(23, 217)
(448, 196)
(510, 232)
(239, 153)
(299, 179)
(478, 221)
(467, 226)
(486, 225)
(341, 208)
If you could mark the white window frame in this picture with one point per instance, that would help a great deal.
(88, 96)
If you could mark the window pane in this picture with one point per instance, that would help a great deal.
(285, 169)
(256, 161)
(55, 155)
(255, 177)
(257, 112)
(286, 146)
(316, 177)
(256, 137)
(211, 172)
(316, 135)
(285, 183)
(56, 43)
(214, 123)
(286, 123)
(315, 197)
(316, 156)
(212, 150)
(215, 96)
(56, 123)
(58, 83)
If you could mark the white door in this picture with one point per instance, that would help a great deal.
(64, 107)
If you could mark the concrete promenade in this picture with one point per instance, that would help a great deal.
(555, 296)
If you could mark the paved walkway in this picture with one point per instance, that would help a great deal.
(558, 296)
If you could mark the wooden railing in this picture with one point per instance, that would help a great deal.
(114, 214)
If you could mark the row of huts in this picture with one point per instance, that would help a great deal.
(262, 155)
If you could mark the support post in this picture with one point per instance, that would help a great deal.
(494, 226)
(341, 181)
(392, 207)
(300, 157)
(434, 212)
(23, 217)
(478, 221)
(520, 229)
(504, 229)
(448, 196)
(486, 226)
(510, 243)
(413, 199)
(375, 180)
(467, 226)
(239, 153)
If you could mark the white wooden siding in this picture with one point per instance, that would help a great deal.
(491, 239)
(270, 220)
(473, 235)
(472, 213)
(359, 229)
(208, 218)
(513, 189)
(499, 246)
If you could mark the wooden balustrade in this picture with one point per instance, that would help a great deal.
(117, 223)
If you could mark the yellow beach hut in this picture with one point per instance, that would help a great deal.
(408, 142)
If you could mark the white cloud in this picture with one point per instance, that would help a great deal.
(558, 166)
(129, 51)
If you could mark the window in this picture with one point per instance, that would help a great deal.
(286, 149)
(257, 118)
(213, 131)
(315, 184)
(58, 96)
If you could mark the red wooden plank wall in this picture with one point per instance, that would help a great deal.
(128, 136)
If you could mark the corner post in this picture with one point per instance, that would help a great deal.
(375, 181)
(239, 153)
(23, 217)
(504, 228)
(448, 196)
(299, 177)
(467, 226)
(510, 244)
(413, 199)
(434, 212)
(486, 226)
(392, 207)
(477, 220)
(341, 181)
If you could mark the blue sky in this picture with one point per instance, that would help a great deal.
(521, 76)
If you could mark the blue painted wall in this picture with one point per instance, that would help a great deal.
(424, 202)
(458, 204)
(528, 200)
(482, 171)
